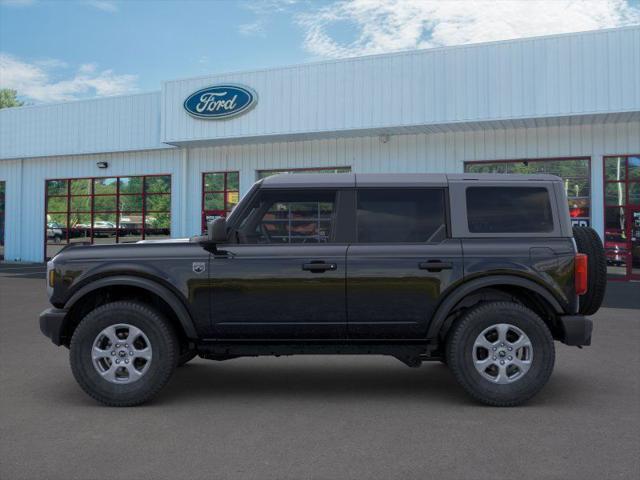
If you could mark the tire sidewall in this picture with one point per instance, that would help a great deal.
(460, 353)
(162, 344)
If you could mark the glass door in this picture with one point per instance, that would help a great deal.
(635, 242)
(622, 216)
(2, 188)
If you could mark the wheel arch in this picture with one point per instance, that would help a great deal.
(111, 288)
(525, 290)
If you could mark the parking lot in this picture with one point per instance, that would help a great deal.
(317, 417)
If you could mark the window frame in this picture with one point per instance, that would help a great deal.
(3, 216)
(574, 220)
(278, 171)
(459, 216)
(225, 192)
(92, 210)
(342, 219)
(628, 209)
(445, 203)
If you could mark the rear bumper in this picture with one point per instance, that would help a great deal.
(575, 330)
(52, 322)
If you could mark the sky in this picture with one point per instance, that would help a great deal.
(59, 50)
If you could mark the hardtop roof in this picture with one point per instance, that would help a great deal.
(346, 180)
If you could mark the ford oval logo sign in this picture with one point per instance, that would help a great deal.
(220, 101)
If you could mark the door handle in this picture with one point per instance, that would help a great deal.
(318, 267)
(435, 266)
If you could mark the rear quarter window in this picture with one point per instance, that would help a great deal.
(509, 210)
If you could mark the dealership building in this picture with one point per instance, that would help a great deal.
(152, 165)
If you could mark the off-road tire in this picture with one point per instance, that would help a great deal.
(164, 346)
(588, 242)
(460, 353)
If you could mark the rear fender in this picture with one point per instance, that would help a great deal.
(462, 291)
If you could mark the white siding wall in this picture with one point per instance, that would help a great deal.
(89, 126)
(11, 174)
(547, 77)
(430, 153)
(435, 152)
(25, 205)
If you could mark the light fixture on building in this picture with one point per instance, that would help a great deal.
(102, 164)
(384, 138)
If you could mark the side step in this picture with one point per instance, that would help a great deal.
(411, 354)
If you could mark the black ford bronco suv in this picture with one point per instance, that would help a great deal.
(481, 272)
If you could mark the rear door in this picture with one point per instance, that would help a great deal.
(401, 262)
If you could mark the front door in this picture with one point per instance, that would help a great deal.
(401, 262)
(285, 278)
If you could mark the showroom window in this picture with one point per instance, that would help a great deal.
(622, 216)
(106, 210)
(2, 210)
(220, 194)
(268, 173)
(575, 173)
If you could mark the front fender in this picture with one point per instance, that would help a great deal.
(172, 299)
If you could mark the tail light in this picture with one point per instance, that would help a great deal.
(581, 273)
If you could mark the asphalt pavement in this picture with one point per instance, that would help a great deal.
(315, 417)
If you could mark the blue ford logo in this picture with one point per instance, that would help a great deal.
(220, 101)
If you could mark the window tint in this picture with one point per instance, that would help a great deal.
(509, 210)
(573, 171)
(290, 217)
(407, 215)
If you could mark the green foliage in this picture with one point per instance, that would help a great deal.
(8, 98)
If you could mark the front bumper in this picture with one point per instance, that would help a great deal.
(575, 330)
(52, 324)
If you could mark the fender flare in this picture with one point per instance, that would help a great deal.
(452, 299)
(178, 307)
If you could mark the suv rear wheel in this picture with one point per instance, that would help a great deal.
(501, 353)
(123, 353)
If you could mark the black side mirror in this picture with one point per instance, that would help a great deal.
(217, 230)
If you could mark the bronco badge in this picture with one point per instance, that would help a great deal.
(199, 267)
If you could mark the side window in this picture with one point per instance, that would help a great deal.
(509, 210)
(401, 215)
(290, 217)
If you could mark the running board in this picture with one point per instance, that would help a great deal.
(411, 354)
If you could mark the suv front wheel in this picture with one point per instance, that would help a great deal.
(501, 353)
(123, 353)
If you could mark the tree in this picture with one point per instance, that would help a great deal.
(8, 98)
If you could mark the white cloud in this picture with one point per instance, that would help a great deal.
(252, 29)
(51, 63)
(87, 68)
(104, 5)
(388, 25)
(36, 81)
(269, 6)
